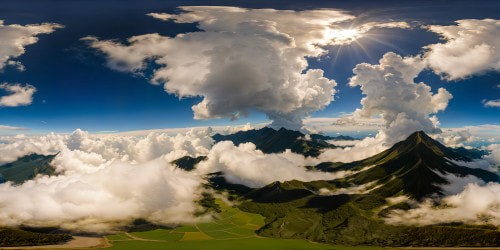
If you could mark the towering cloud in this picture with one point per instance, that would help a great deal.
(470, 47)
(14, 38)
(18, 95)
(241, 60)
(390, 92)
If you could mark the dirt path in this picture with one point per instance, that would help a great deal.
(141, 239)
(76, 242)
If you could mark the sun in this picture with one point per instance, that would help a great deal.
(343, 36)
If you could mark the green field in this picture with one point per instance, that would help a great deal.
(233, 229)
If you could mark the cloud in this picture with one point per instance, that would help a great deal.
(345, 123)
(246, 165)
(394, 104)
(390, 92)
(18, 95)
(363, 149)
(194, 142)
(475, 205)
(455, 138)
(343, 35)
(244, 60)
(112, 195)
(11, 128)
(175, 131)
(492, 103)
(470, 47)
(104, 182)
(14, 38)
(494, 156)
(484, 132)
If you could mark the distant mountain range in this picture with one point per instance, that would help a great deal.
(276, 141)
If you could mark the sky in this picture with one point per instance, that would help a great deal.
(74, 85)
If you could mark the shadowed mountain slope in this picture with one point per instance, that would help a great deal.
(276, 141)
(26, 168)
(416, 167)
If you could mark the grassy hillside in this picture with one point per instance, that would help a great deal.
(232, 229)
(351, 220)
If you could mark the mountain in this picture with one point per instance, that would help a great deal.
(276, 141)
(187, 162)
(472, 153)
(333, 138)
(416, 167)
(26, 168)
(350, 211)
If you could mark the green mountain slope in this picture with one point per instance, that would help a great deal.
(304, 210)
(414, 167)
(351, 219)
(26, 168)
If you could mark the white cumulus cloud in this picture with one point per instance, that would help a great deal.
(14, 38)
(18, 95)
(242, 60)
(470, 47)
(475, 205)
(244, 164)
(390, 91)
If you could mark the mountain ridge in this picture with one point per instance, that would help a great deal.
(331, 212)
(270, 140)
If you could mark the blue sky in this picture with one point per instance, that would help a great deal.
(76, 90)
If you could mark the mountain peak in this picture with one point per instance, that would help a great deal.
(416, 166)
(420, 137)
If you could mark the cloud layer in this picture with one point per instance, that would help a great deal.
(475, 205)
(244, 164)
(104, 182)
(108, 181)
